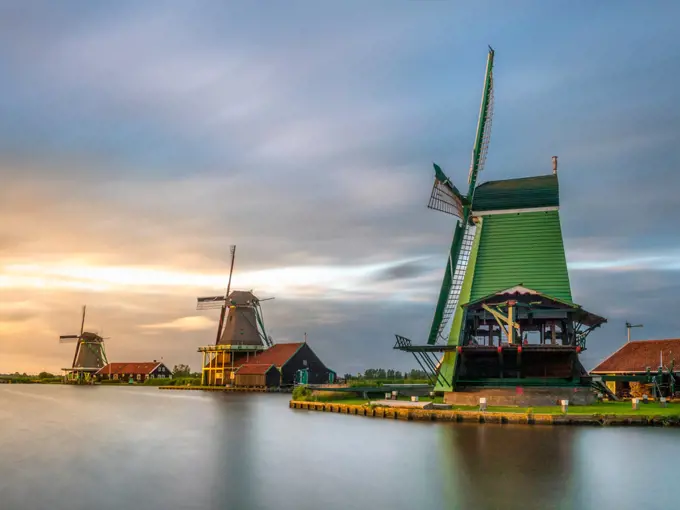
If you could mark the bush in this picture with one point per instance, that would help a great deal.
(161, 381)
(302, 393)
(381, 382)
(327, 396)
(184, 381)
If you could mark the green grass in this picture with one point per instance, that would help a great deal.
(604, 408)
(616, 408)
(381, 382)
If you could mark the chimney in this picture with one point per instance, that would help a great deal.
(554, 159)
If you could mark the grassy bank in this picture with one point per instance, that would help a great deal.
(302, 394)
(31, 380)
(603, 416)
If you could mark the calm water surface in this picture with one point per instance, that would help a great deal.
(72, 448)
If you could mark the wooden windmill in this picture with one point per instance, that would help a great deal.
(89, 355)
(240, 332)
(505, 296)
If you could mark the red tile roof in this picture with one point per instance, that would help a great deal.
(254, 369)
(277, 354)
(143, 368)
(638, 355)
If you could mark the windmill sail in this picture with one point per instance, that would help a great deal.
(457, 279)
(446, 197)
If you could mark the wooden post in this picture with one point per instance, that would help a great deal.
(511, 325)
(552, 332)
(203, 370)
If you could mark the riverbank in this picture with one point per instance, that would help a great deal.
(604, 414)
(227, 389)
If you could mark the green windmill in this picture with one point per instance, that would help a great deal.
(505, 323)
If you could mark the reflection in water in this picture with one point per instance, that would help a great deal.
(500, 466)
(74, 448)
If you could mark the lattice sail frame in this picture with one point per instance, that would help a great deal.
(443, 199)
(457, 279)
(486, 136)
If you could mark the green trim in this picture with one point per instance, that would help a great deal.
(449, 360)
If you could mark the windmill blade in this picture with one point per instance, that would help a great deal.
(75, 355)
(66, 338)
(210, 302)
(483, 136)
(82, 322)
(487, 126)
(445, 196)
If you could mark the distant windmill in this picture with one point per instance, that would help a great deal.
(245, 324)
(89, 355)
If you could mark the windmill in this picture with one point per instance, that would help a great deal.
(506, 279)
(240, 332)
(89, 355)
(244, 323)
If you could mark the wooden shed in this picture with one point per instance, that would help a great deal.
(289, 358)
(258, 375)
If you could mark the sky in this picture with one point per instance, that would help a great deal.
(139, 140)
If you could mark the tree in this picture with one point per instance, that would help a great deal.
(181, 371)
(45, 375)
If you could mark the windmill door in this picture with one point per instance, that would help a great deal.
(303, 376)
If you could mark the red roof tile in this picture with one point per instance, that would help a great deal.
(277, 354)
(143, 368)
(254, 369)
(636, 356)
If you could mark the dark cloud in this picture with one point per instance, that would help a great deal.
(404, 271)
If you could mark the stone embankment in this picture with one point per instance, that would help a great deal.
(396, 413)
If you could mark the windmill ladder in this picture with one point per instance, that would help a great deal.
(458, 276)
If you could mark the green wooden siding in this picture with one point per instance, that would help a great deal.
(523, 193)
(524, 248)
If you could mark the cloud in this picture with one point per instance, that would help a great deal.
(137, 143)
(404, 271)
(195, 323)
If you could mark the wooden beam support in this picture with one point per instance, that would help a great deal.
(507, 324)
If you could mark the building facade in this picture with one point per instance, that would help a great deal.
(133, 371)
(639, 365)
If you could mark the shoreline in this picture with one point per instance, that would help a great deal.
(223, 389)
(405, 414)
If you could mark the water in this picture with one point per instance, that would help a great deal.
(73, 448)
